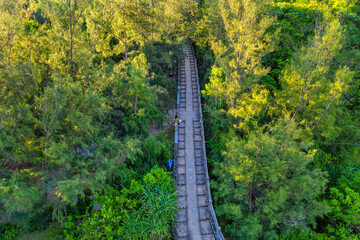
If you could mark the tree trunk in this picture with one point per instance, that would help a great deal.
(135, 103)
(327, 108)
(152, 23)
(250, 196)
(125, 36)
(238, 63)
(71, 18)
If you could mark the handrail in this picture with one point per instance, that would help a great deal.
(176, 142)
(176, 135)
(213, 220)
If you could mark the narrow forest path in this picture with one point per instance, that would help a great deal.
(195, 218)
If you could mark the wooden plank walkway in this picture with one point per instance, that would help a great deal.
(194, 219)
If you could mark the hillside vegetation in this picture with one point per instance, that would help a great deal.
(85, 87)
(82, 82)
(281, 92)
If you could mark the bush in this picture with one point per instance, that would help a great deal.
(8, 231)
(143, 210)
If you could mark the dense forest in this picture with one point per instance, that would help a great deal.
(281, 91)
(86, 87)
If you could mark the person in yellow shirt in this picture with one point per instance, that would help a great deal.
(176, 121)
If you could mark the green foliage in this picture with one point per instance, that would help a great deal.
(215, 89)
(19, 199)
(155, 148)
(307, 76)
(269, 82)
(81, 82)
(316, 91)
(239, 44)
(142, 210)
(344, 202)
(342, 221)
(163, 59)
(267, 181)
(8, 231)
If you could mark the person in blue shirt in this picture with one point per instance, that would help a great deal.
(169, 164)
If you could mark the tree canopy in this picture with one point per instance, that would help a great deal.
(85, 91)
(281, 116)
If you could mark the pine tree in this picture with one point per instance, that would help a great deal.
(266, 184)
(308, 86)
(239, 44)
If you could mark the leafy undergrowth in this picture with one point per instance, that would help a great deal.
(142, 210)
